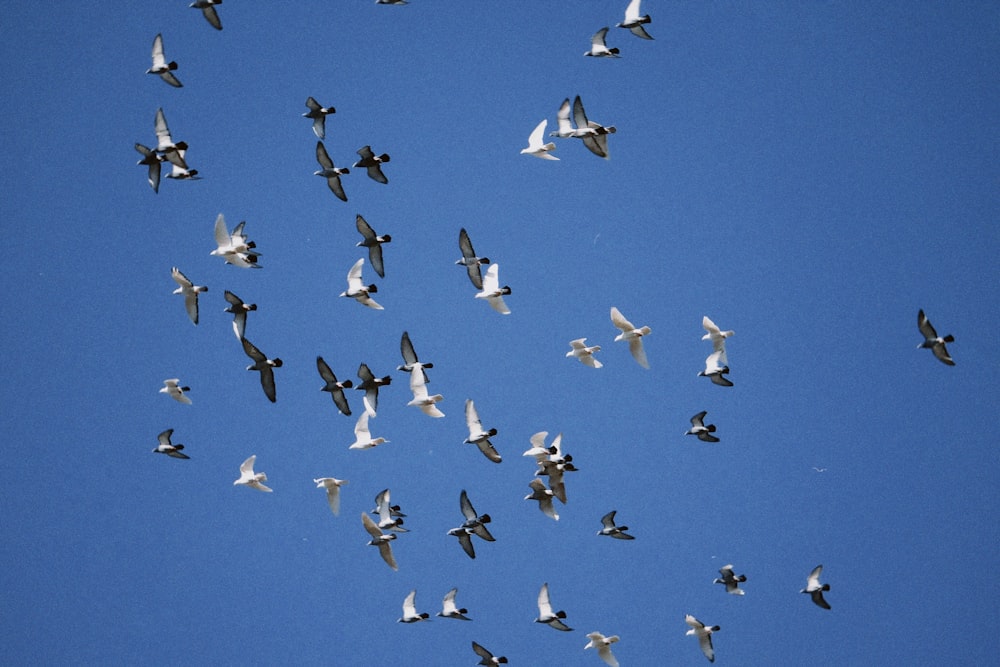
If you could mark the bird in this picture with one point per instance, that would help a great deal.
(551, 462)
(160, 66)
(731, 580)
(362, 436)
(207, 8)
(598, 47)
(704, 634)
(492, 291)
(714, 372)
(816, 589)
(410, 614)
(545, 613)
(166, 447)
(165, 144)
(335, 388)
(234, 247)
(391, 2)
(174, 390)
(464, 536)
(318, 113)
(264, 366)
(154, 162)
(544, 497)
(450, 610)
(698, 428)
(357, 290)
(611, 530)
(717, 336)
(594, 135)
(633, 22)
(380, 540)
(329, 172)
(535, 146)
(421, 399)
(189, 291)
(410, 359)
(488, 659)
(373, 163)
(477, 436)
(476, 523)
(603, 644)
(369, 385)
(387, 518)
(181, 172)
(632, 334)
(470, 260)
(933, 341)
(332, 486)
(373, 242)
(239, 309)
(249, 478)
(584, 353)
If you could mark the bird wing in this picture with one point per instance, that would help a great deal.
(488, 450)
(941, 352)
(638, 351)
(465, 539)
(632, 11)
(246, 468)
(409, 605)
(164, 438)
(544, 606)
(251, 350)
(267, 382)
(364, 228)
(536, 138)
(468, 511)
(619, 320)
(336, 187)
(608, 520)
(562, 118)
(212, 16)
(361, 431)
(162, 131)
(925, 326)
(472, 418)
(491, 281)
(322, 157)
(354, 276)
(386, 551)
(579, 115)
(598, 40)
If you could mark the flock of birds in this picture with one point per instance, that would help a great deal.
(548, 484)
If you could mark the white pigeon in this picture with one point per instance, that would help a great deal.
(174, 390)
(545, 613)
(450, 610)
(584, 353)
(189, 291)
(717, 336)
(477, 436)
(598, 47)
(704, 634)
(715, 370)
(492, 291)
(632, 334)
(207, 8)
(332, 486)
(362, 436)
(249, 478)
(603, 646)
(536, 147)
(421, 398)
(165, 145)
(358, 290)
(160, 66)
(380, 540)
(329, 172)
(318, 113)
(815, 589)
(234, 247)
(633, 21)
(410, 614)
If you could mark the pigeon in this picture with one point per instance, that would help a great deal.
(488, 658)
(249, 478)
(426, 402)
(234, 247)
(698, 428)
(717, 336)
(593, 134)
(598, 47)
(239, 309)
(535, 146)
(477, 436)
(933, 341)
(166, 447)
(410, 614)
(362, 436)
(476, 523)
(189, 291)
(318, 113)
(160, 66)
(165, 145)
(373, 163)
(551, 462)
(173, 389)
(332, 486)
(335, 388)
(545, 614)
(450, 610)
(469, 259)
(264, 366)
(329, 172)
(816, 589)
(373, 242)
(611, 530)
(492, 291)
(357, 290)
(207, 8)
(464, 538)
(369, 385)
(714, 372)
(410, 358)
(181, 172)
(633, 335)
(633, 22)
(380, 540)
(387, 519)
(731, 580)
(544, 497)
(703, 633)
(154, 161)
(583, 353)
(602, 643)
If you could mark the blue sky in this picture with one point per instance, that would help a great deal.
(806, 174)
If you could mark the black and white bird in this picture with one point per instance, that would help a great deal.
(477, 436)
(387, 518)
(633, 21)
(174, 390)
(599, 47)
(631, 334)
(255, 480)
(593, 135)
(815, 589)
(333, 386)
(492, 291)
(450, 610)
(264, 366)
(704, 634)
(731, 580)
(154, 163)
(189, 291)
(373, 242)
(207, 8)
(474, 522)
(168, 448)
(234, 247)
(329, 172)
(603, 646)
(318, 113)
(332, 486)
(373, 163)
(410, 614)
(470, 260)
(932, 341)
(544, 497)
(700, 429)
(715, 370)
(410, 360)
(422, 399)
(239, 308)
(357, 290)
(380, 540)
(717, 336)
(611, 530)
(362, 436)
(545, 613)
(536, 143)
(165, 144)
(488, 659)
(162, 68)
(369, 385)
(181, 172)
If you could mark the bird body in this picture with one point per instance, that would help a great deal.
(421, 399)
(372, 163)
(598, 46)
(731, 580)
(373, 242)
(584, 353)
(263, 365)
(333, 386)
(168, 448)
(369, 385)
(538, 148)
(162, 68)
(488, 659)
(239, 309)
(492, 291)
(700, 429)
(450, 610)
(189, 291)
(380, 540)
(477, 436)
(611, 530)
(934, 342)
(815, 589)
(715, 371)
(544, 497)
(329, 172)
(634, 21)
(174, 390)
(603, 646)
(704, 634)
(410, 614)
(332, 486)
(717, 336)
(545, 613)
(470, 260)
(318, 114)
(249, 478)
(362, 436)
(633, 335)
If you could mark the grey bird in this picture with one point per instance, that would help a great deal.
(387, 519)
(815, 589)
(704, 634)
(544, 497)
(373, 242)
(372, 163)
(633, 21)
(731, 580)
(700, 429)
(545, 613)
(318, 113)
(474, 524)
(264, 366)
(153, 161)
(329, 172)
(166, 447)
(469, 260)
(335, 387)
(369, 385)
(380, 540)
(477, 436)
(932, 341)
(488, 659)
(162, 68)
(611, 530)
(189, 291)
(410, 359)
(239, 309)
(450, 610)
(207, 8)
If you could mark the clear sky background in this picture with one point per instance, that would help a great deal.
(807, 174)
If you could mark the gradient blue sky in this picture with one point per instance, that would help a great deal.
(807, 174)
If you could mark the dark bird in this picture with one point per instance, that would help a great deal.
(373, 163)
(410, 359)
(207, 8)
(318, 113)
(373, 242)
(700, 429)
(335, 388)
(329, 172)
(611, 530)
(263, 365)
(488, 658)
(239, 309)
(153, 160)
(165, 446)
(469, 259)
(731, 580)
(933, 341)
(369, 385)
(380, 540)
(816, 589)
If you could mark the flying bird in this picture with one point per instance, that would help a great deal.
(421, 398)
(249, 478)
(373, 163)
(704, 634)
(362, 436)
(716, 372)
(373, 242)
(239, 309)
(602, 643)
(598, 47)
(264, 366)
(329, 172)
(933, 341)
(731, 580)
(717, 336)
(450, 610)
(488, 659)
(632, 334)
(470, 260)
(584, 353)
(388, 518)
(166, 447)
(154, 162)
(160, 66)
(318, 113)
(492, 291)
(474, 524)
(358, 290)
(594, 135)
(611, 530)
(544, 497)
(700, 429)
(181, 172)
(536, 147)
(410, 359)
(633, 21)
(189, 291)
(333, 386)
(234, 247)
(816, 589)
(332, 486)
(545, 613)
(174, 390)
(207, 8)
(369, 385)
(477, 436)
(410, 614)
(380, 540)
(165, 144)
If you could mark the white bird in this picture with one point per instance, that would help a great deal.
(369, 385)
(160, 66)
(249, 478)
(598, 47)
(318, 113)
(239, 308)
(544, 497)
(551, 462)
(174, 390)
(380, 540)
(410, 614)
(704, 635)
(165, 144)
(332, 486)
(611, 530)
(335, 387)
(189, 291)
(488, 659)
(389, 516)
(207, 8)
(717, 336)
(536, 147)
(815, 589)
(933, 341)
(358, 290)
(700, 429)
(584, 353)
(492, 291)
(470, 260)
(166, 447)
(234, 247)
(372, 163)
(154, 162)
(632, 334)
(715, 371)
(450, 610)
(633, 21)
(362, 436)
(426, 402)
(373, 242)
(329, 172)
(731, 580)
(545, 613)
(603, 646)
(477, 436)
(263, 365)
